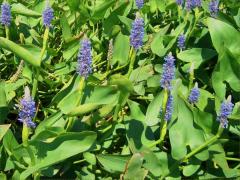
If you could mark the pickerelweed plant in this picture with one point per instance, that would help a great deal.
(119, 89)
(6, 17)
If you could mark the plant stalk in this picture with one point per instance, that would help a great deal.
(132, 57)
(35, 82)
(163, 126)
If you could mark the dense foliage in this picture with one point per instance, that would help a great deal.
(119, 89)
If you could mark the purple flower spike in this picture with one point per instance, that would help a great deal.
(84, 67)
(137, 33)
(169, 108)
(189, 5)
(181, 42)
(197, 3)
(47, 16)
(225, 112)
(168, 72)
(6, 14)
(27, 109)
(139, 3)
(213, 8)
(194, 95)
(179, 2)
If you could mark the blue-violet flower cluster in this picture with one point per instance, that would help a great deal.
(168, 72)
(137, 33)
(194, 95)
(27, 109)
(225, 112)
(169, 108)
(181, 42)
(6, 14)
(84, 66)
(179, 2)
(191, 4)
(139, 3)
(213, 7)
(47, 16)
(197, 3)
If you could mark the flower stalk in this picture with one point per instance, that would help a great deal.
(163, 125)
(132, 58)
(35, 81)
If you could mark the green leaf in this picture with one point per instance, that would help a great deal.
(100, 10)
(168, 166)
(127, 22)
(153, 110)
(121, 45)
(138, 133)
(111, 23)
(23, 10)
(113, 163)
(134, 168)
(3, 176)
(74, 4)
(19, 51)
(66, 30)
(223, 34)
(3, 130)
(58, 150)
(162, 43)
(3, 102)
(91, 158)
(152, 163)
(142, 73)
(48, 122)
(192, 167)
(196, 56)
(83, 109)
(182, 128)
(226, 70)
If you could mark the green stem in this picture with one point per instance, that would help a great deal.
(232, 159)
(197, 16)
(35, 82)
(7, 32)
(132, 56)
(163, 126)
(191, 78)
(207, 143)
(81, 86)
(25, 134)
(117, 109)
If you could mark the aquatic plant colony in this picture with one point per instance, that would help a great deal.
(119, 89)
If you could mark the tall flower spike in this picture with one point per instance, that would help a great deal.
(189, 5)
(169, 108)
(6, 14)
(194, 95)
(225, 112)
(27, 109)
(197, 3)
(179, 2)
(47, 16)
(137, 32)
(168, 72)
(139, 3)
(110, 50)
(213, 8)
(84, 66)
(181, 42)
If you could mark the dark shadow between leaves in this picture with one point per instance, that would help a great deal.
(135, 131)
